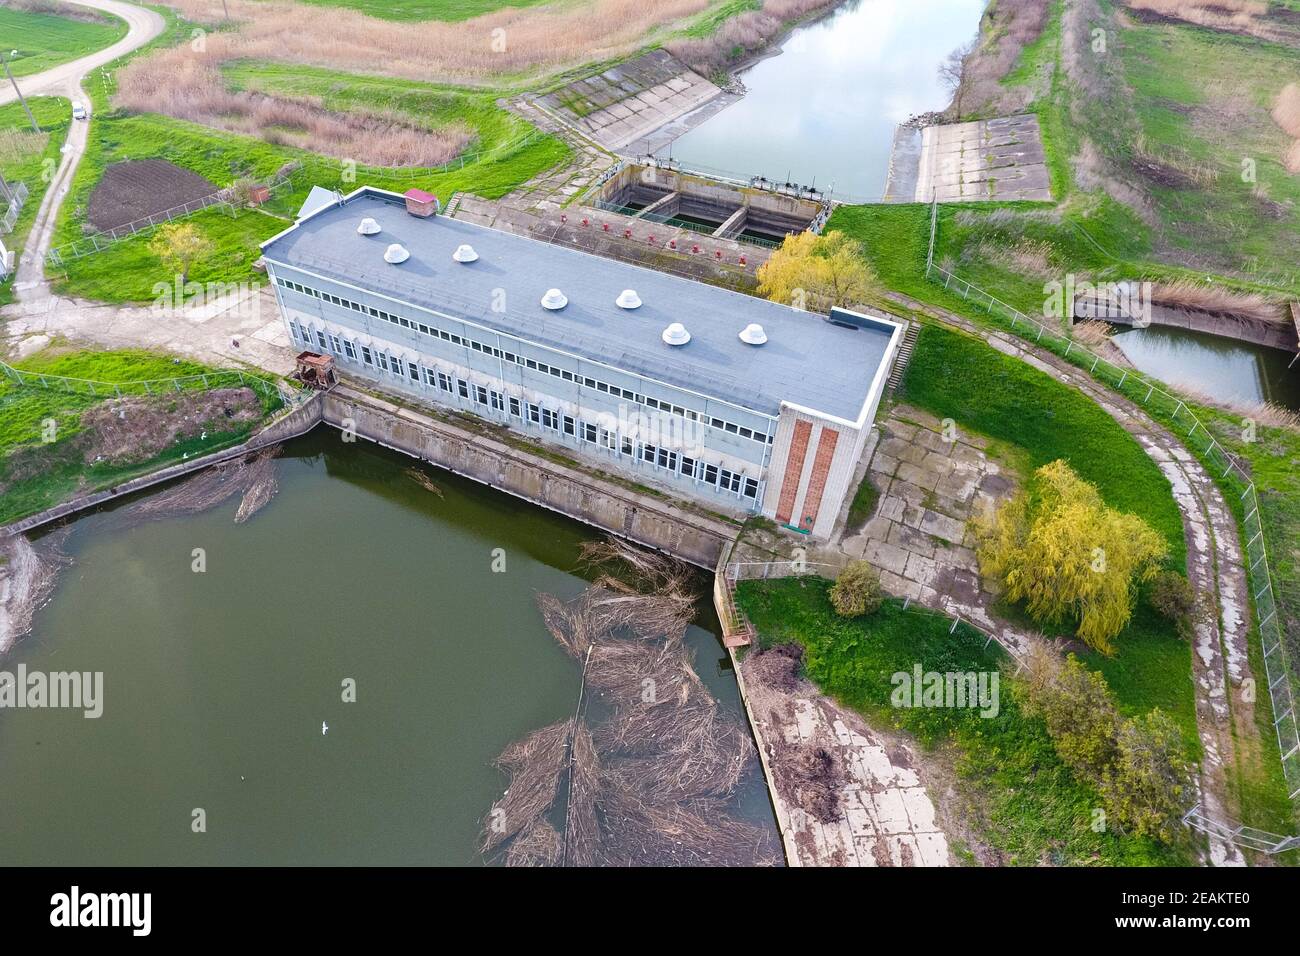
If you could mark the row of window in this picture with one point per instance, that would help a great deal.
(560, 373)
(661, 458)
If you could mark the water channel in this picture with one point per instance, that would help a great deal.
(1221, 368)
(826, 107)
(217, 683)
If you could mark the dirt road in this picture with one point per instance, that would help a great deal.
(65, 79)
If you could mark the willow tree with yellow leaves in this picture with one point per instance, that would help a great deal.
(816, 272)
(1058, 548)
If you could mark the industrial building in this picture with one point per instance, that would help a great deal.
(741, 404)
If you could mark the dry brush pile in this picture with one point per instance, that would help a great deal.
(648, 779)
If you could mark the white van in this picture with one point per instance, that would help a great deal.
(78, 111)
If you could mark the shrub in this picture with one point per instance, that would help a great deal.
(1175, 598)
(1076, 706)
(1138, 765)
(1145, 787)
(857, 591)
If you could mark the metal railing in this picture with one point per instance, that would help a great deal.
(1277, 666)
(1249, 837)
(776, 186)
(674, 223)
(218, 378)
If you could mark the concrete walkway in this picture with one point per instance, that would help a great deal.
(243, 330)
(845, 794)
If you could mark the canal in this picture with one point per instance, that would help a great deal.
(216, 684)
(825, 108)
(1223, 369)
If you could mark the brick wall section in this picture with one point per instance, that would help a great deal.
(793, 469)
(817, 480)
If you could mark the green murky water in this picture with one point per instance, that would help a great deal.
(217, 683)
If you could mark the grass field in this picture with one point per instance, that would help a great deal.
(958, 376)
(44, 40)
(62, 471)
(30, 157)
(1201, 102)
(1027, 804)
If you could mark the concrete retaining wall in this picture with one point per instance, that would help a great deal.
(642, 518)
(1281, 336)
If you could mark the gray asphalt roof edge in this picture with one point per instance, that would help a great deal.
(881, 323)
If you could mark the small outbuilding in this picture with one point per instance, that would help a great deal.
(422, 204)
(315, 370)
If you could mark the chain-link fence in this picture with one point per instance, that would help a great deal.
(14, 209)
(98, 241)
(1233, 478)
(1249, 837)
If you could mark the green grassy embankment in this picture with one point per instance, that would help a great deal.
(498, 160)
(1034, 420)
(36, 474)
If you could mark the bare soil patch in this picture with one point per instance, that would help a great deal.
(129, 430)
(139, 188)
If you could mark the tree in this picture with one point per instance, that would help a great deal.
(1146, 786)
(951, 72)
(179, 245)
(816, 272)
(857, 591)
(1060, 550)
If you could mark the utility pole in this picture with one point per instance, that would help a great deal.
(4, 59)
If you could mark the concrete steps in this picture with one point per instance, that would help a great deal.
(904, 355)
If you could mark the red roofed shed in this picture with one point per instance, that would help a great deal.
(420, 203)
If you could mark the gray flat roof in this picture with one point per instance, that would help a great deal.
(807, 360)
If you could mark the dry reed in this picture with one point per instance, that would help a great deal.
(510, 41)
(1286, 110)
(1239, 16)
(1092, 333)
(1218, 300)
(742, 34)
(1261, 413)
(188, 85)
